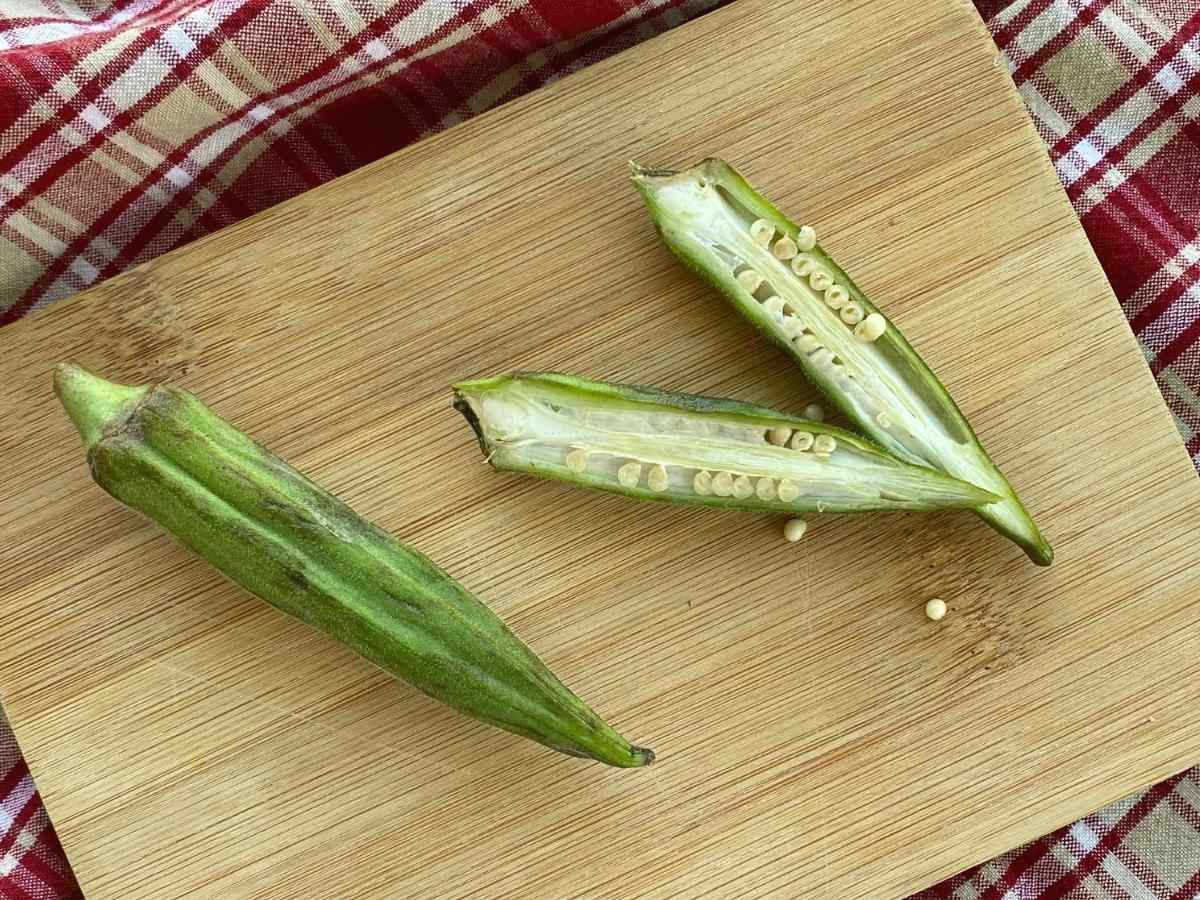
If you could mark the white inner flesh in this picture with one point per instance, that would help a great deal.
(858, 371)
(531, 428)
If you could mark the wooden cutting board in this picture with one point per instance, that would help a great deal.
(817, 736)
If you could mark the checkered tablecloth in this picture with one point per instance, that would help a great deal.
(129, 127)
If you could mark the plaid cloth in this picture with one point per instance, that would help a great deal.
(129, 127)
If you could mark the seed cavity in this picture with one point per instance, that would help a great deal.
(836, 296)
(814, 412)
(722, 484)
(765, 489)
(824, 444)
(788, 490)
(577, 460)
(785, 248)
(779, 435)
(761, 232)
(658, 479)
(794, 530)
(871, 328)
(742, 487)
(802, 440)
(820, 279)
(750, 280)
(851, 313)
(702, 483)
(629, 474)
(806, 238)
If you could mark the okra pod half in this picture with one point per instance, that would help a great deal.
(280, 536)
(682, 448)
(778, 276)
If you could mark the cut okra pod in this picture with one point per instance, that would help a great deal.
(682, 448)
(268, 528)
(779, 277)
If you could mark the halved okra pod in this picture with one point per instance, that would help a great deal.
(280, 536)
(683, 448)
(776, 274)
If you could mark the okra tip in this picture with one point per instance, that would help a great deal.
(92, 403)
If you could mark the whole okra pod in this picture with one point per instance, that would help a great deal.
(264, 525)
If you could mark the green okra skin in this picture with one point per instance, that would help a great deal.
(681, 448)
(282, 537)
(777, 276)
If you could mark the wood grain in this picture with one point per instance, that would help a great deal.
(817, 736)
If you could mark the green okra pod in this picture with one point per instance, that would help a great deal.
(682, 448)
(778, 276)
(264, 525)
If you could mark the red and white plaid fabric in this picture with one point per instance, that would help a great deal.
(129, 127)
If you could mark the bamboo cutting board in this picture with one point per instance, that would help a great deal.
(817, 736)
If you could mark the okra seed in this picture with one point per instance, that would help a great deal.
(851, 313)
(823, 358)
(936, 609)
(774, 307)
(803, 265)
(824, 444)
(883, 420)
(702, 483)
(629, 474)
(836, 296)
(814, 412)
(765, 489)
(788, 491)
(794, 530)
(657, 479)
(779, 435)
(785, 248)
(871, 328)
(750, 280)
(806, 238)
(807, 343)
(802, 440)
(722, 484)
(761, 232)
(820, 279)
(742, 487)
(792, 326)
(577, 460)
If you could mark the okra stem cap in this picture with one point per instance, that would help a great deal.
(92, 403)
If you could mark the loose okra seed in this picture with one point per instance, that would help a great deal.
(820, 279)
(851, 313)
(785, 248)
(722, 484)
(742, 487)
(779, 435)
(871, 328)
(936, 609)
(765, 489)
(788, 491)
(702, 483)
(802, 440)
(629, 474)
(814, 412)
(750, 280)
(761, 232)
(794, 530)
(836, 296)
(806, 238)
(803, 265)
(657, 479)
(824, 444)
(577, 460)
